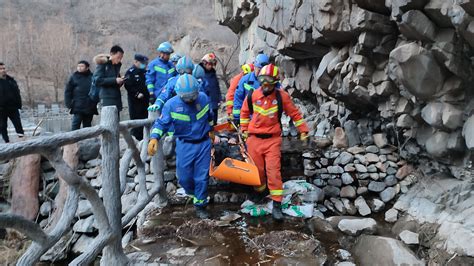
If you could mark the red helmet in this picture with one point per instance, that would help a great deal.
(269, 74)
(209, 58)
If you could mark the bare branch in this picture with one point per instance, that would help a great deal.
(24, 226)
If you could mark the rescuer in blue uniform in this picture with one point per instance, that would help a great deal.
(184, 65)
(247, 83)
(190, 114)
(159, 71)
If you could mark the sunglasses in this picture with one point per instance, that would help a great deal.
(267, 80)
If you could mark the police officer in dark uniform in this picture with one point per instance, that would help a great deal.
(138, 95)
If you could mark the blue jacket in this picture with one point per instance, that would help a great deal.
(212, 88)
(191, 121)
(158, 74)
(247, 82)
(203, 86)
(167, 92)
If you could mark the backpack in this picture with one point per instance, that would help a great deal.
(94, 91)
(279, 103)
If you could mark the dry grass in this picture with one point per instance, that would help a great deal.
(12, 247)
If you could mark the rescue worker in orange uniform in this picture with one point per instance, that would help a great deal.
(234, 83)
(260, 125)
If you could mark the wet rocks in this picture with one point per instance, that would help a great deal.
(383, 251)
(356, 227)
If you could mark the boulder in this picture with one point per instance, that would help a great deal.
(346, 178)
(356, 227)
(353, 137)
(416, 26)
(340, 140)
(348, 192)
(405, 121)
(374, 6)
(375, 186)
(452, 116)
(89, 149)
(331, 191)
(411, 58)
(378, 250)
(82, 244)
(335, 169)
(409, 237)
(437, 144)
(344, 158)
(437, 11)
(404, 171)
(398, 7)
(380, 140)
(84, 208)
(391, 215)
(84, 225)
(432, 114)
(468, 132)
(343, 254)
(362, 206)
(388, 194)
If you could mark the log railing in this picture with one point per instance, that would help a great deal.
(107, 212)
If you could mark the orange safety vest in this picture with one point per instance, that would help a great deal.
(265, 118)
(229, 97)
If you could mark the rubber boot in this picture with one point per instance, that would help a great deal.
(201, 212)
(276, 212)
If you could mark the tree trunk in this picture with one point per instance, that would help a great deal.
(25, 186)
(71, 157)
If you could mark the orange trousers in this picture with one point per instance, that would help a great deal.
(266, 154)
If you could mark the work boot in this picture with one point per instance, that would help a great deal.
(201, 212)
(257, 197)
(276, 212)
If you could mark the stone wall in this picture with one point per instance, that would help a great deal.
(400, 68)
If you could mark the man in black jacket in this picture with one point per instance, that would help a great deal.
(10, 102)
(107, 77)
(138, 95)
(76, 96)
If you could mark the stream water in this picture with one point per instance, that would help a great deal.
(175, 236)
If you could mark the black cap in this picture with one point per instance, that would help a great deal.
(141, 58)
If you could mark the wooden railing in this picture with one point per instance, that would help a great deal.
(107, 212)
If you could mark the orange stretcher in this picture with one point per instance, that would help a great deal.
(233, 170)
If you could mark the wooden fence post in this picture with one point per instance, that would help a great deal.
(113, 253)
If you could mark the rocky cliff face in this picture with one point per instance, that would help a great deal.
(402, 68)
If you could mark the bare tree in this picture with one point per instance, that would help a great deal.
(226, 61)
(58, 44)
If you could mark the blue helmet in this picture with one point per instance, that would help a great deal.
(187, 88)
(184, 65)
(198, 71)
(165, 47)
(175, 57)
(261, 60)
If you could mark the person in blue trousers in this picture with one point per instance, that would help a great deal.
(184, 65)
(159, 71)
(247, 83)
(190, 114)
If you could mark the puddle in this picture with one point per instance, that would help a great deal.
(176, 237)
